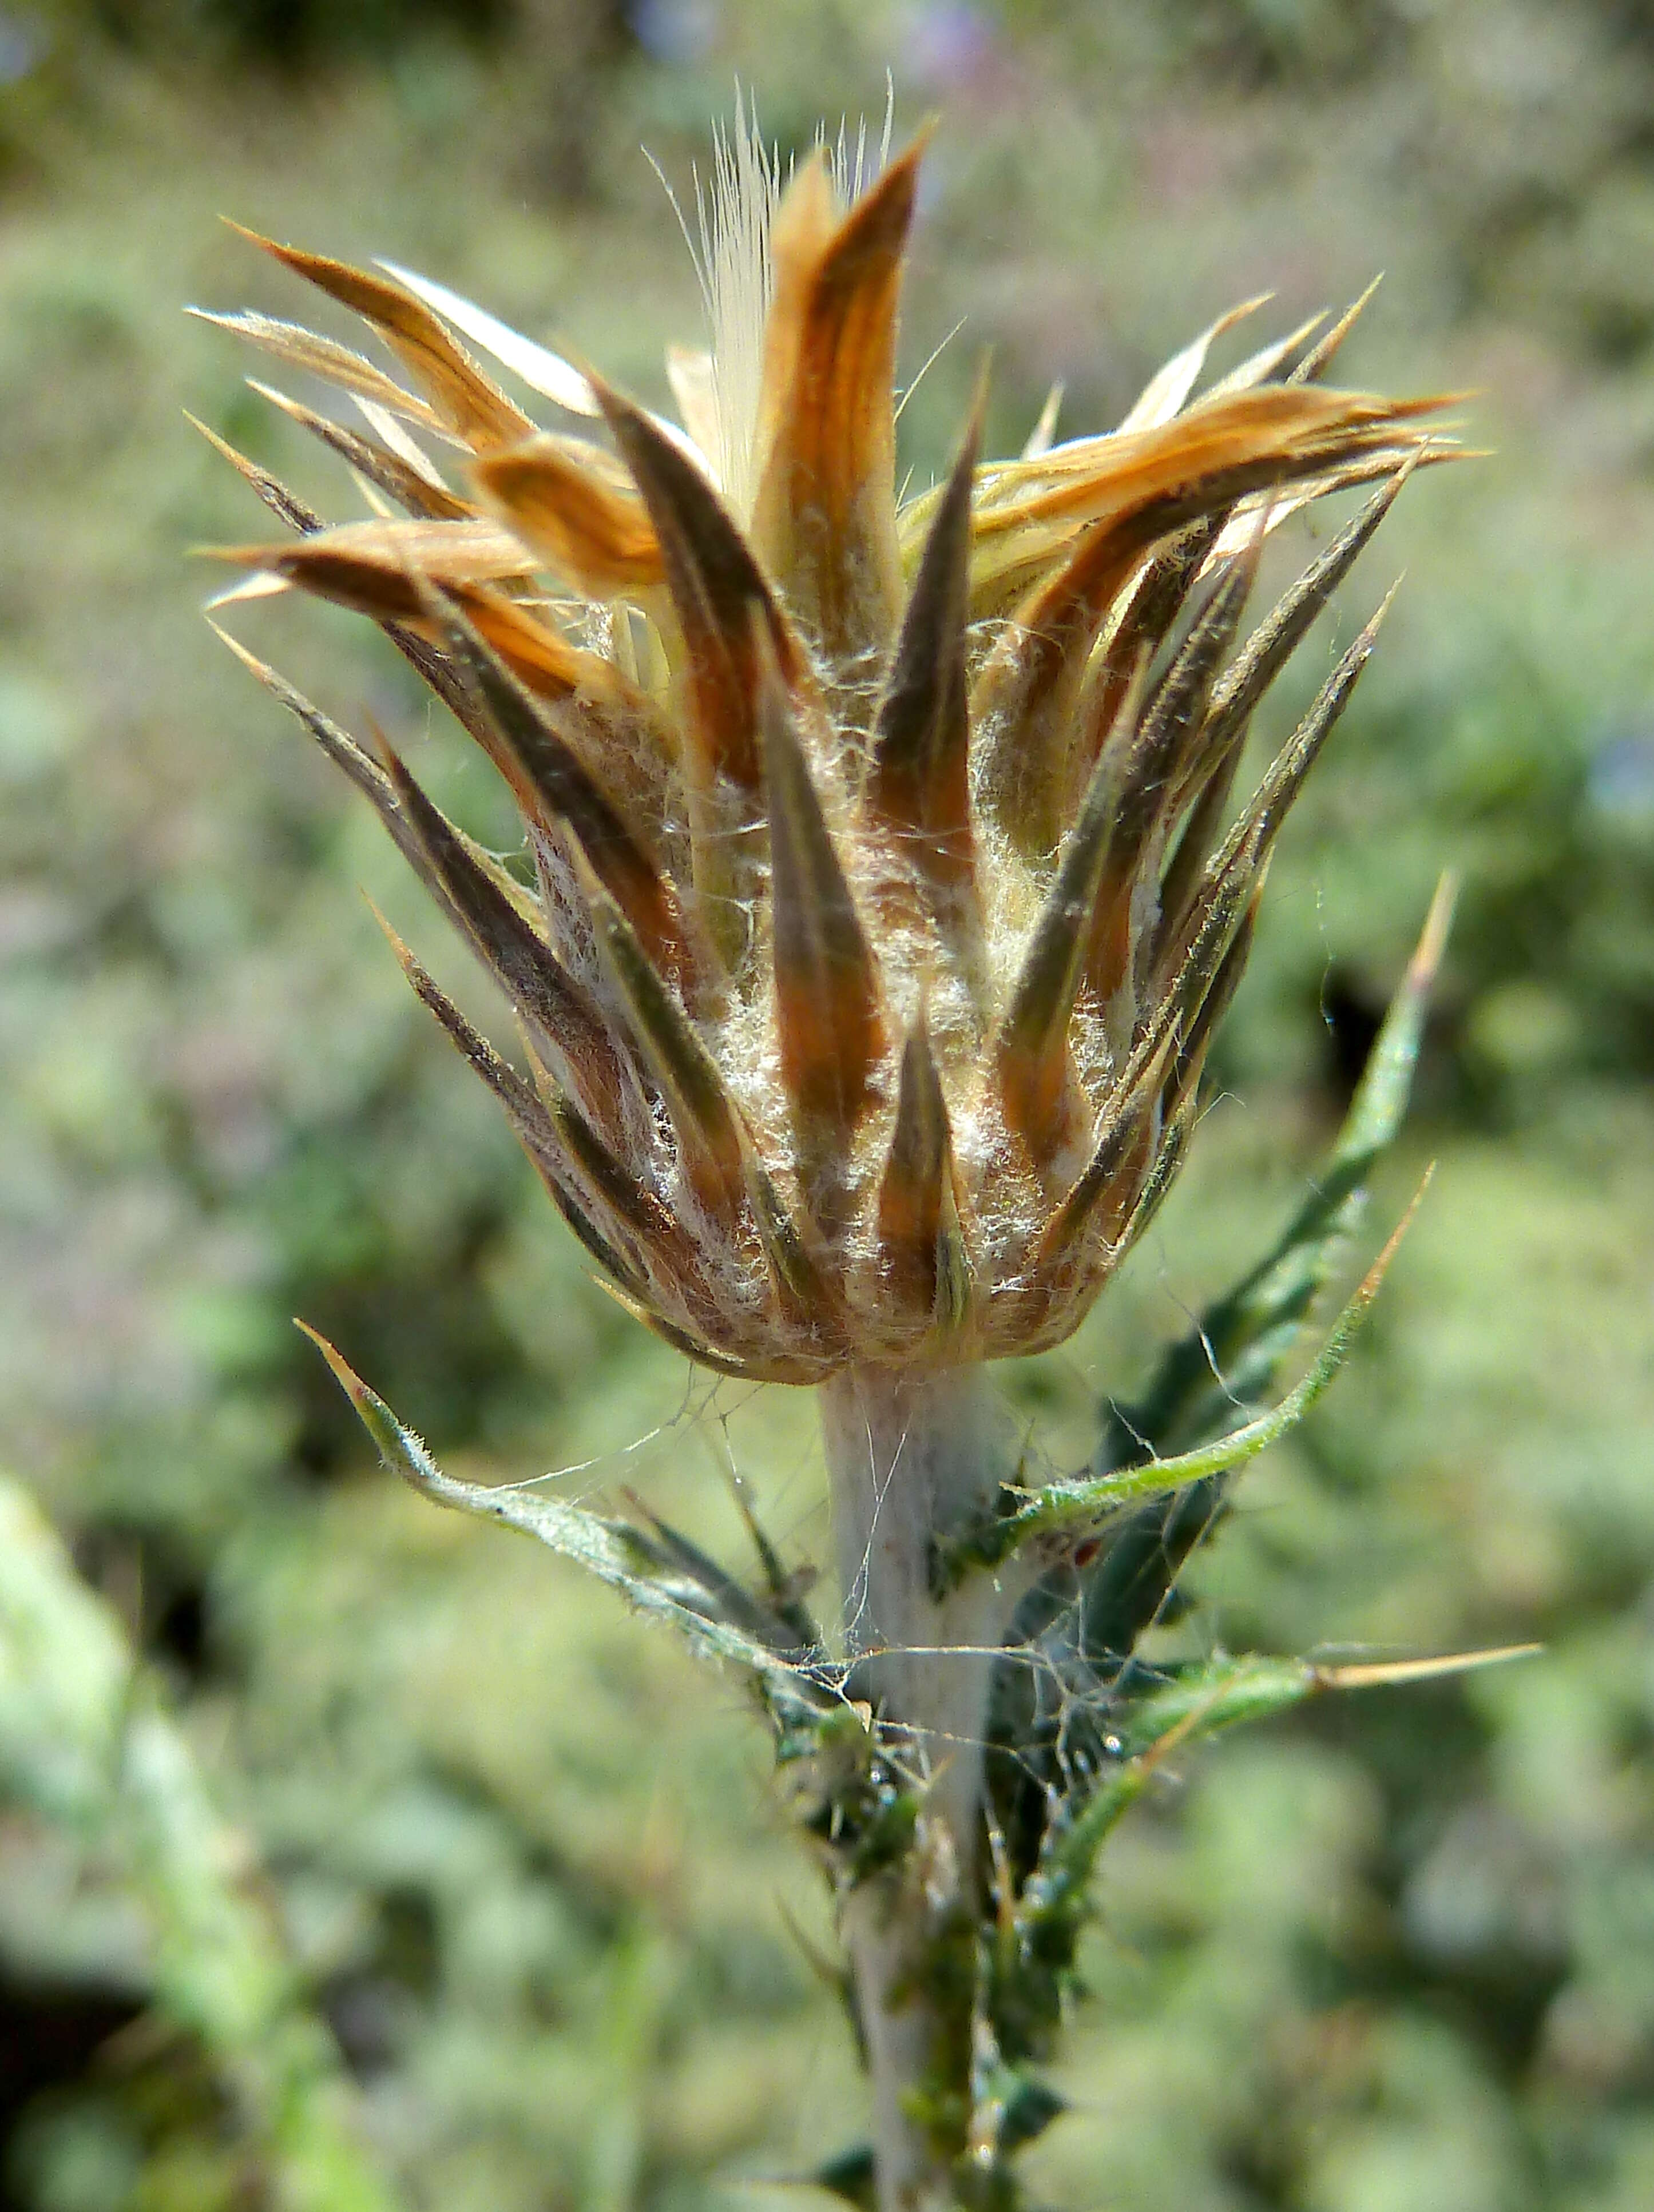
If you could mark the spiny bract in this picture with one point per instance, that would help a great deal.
(881, 904)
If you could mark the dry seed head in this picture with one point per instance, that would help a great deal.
(877, 909)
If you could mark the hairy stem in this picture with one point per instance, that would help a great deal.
(913, 1460)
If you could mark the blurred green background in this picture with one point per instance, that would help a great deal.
(1396, 1956)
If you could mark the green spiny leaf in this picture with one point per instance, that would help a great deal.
(1246, 1334)
(729, 1599)
(1229, 1358)
(1196, 1703)
(1071, 1509)
(602, 1548)
(786, 1590)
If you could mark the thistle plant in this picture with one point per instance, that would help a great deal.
(883, 882)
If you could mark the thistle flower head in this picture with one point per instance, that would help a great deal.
(877, 904)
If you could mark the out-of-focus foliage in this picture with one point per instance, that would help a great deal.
(87, 1749)
(289, 32)
(1397, 1953)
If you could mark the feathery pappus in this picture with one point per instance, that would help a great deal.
(881, 890)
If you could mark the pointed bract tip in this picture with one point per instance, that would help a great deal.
(1432, 938)
(1040, 438)
(247, 659)
(397, 1447)
(406, 958)
(1385, 1673)
(911, 157)
(1327, 344)
(346, 1376)
(1369, 630)
(1239, 313)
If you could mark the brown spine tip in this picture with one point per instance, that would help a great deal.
(1278, 636)
(471, 404)
(1320, 355)
(284, 504)
(824, 514)
(380, 570)
(419, 492)
(313, 355)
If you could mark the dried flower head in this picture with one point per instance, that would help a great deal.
(880, 903)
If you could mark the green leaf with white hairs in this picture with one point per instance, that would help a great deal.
(1237, 1345)
(1069, 1511)
(612, 1552)
(1210, 1379)
(669, 1550)
(1163, 1472)
(1198, 1702)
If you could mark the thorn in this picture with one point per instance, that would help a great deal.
(1381, 1673)
(346, 1376)
(1432, 942)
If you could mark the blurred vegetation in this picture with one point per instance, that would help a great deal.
(1396, 1956)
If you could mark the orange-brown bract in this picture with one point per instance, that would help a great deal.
(880, 907)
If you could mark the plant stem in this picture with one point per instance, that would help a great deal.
(915, 1459)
